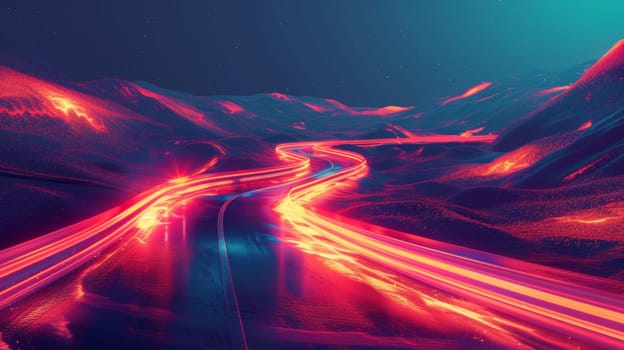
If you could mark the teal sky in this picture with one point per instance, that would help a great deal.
(362, 52)
(506, 37)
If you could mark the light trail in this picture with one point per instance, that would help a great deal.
(468, 93)
(553, 90)
(509, 286)
(235, 319)
(29, 266)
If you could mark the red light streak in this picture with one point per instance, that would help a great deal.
(231, 107)
(318, 109)
(280, 96)
(470, 92)
(590, 314)
(582, 170)
(31, 265)
(508, 286)
(585, 126)
(585, 220)
(552, 90)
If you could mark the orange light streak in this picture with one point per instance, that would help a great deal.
(31, 265)
(585, 126)
(508, 286)
(470, 92)
(514, 161)
(552, 90)
(335, 106)
(588, 220)
(592, 315)
(67, 106)
(383, 111)
(471, 132)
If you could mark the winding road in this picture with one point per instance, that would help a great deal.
(547, 298)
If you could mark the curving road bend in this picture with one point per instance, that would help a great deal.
(508, 286)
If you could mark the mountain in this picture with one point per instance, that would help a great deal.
(74, 149)
(584, 125)
(594, 97)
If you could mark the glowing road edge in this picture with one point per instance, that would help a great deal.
(589, 314)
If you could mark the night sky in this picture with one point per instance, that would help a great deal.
(359, 52)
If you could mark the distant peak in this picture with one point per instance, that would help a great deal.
(607, 65)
